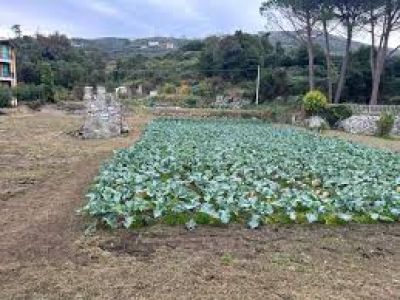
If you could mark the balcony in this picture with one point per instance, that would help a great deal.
(5, 58)
(6, 76)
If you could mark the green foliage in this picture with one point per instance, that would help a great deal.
(275, 83)
(334, 114)
(47, 81)
(28, 92)
(359, 76)
(222, 171)
(5, 96)
(53, 61)
(191, 102)
(169, 88)
(227, 259)
(385, 124)
(233, 57)
(61, 94)
(203, 89)
(195, 45)
(314, 102)
(210, 66)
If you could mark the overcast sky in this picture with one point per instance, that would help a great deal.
(138, 18)
(131, 18)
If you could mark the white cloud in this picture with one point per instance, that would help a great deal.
(102, 7)
(183, 9)
(32, 23)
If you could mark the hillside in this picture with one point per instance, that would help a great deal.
(155, 46)
(288, 40)
(122, 47)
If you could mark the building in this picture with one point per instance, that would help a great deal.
(8, 66)
(153, 44)
(169, 45)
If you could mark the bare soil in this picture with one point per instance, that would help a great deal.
(45, 254)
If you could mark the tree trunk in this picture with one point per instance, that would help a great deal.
(328, 61)
(345, 63)
(310, 48)
(373, 57)
(380, 64)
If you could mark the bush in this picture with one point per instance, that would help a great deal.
(28, 92)
(385, 124)
(5, 96)
(77, 93)
(169, 89)
(35, 105)
(185, 90)
(335, 114)
(61, 94)
(275, 83)
(203, 89)
(191, 102)
(314, 102)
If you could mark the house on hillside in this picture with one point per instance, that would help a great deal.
(169, 45)
(153, 44)
(8, 64)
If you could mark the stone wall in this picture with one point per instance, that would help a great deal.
(372, 110)
(104, 115)
(231, 102)
(367, 125)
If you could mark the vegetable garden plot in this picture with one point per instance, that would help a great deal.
(222, 171)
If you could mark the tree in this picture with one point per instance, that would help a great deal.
(385, 16)
(275, 84)
(327, 14)
(358, 79)
(302, 16)
(70, 66)
(350, 13)
(234, 57)
(47, 80)
(17, 30)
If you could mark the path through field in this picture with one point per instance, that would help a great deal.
(44, 173)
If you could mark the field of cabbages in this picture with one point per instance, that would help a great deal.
(194, 172)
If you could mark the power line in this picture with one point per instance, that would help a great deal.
(194, 70)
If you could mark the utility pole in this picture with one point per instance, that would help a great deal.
(258, 85)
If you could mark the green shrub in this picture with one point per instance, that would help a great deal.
(61, 94)
(191, 102)
(35, 105)
(28, 92)
(385, 124)
(169, 89)
(314, 102)
(334, 114)
(5, 96)
(203, 89)
(77, 93)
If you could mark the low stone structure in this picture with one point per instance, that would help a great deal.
(104, 117)
(372, 110)
(366, 125)
(316, 123)
(122, 92)
(230, 102)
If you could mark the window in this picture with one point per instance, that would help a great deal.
(5, 52)
(5, 70)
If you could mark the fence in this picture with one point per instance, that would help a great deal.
(373, 110)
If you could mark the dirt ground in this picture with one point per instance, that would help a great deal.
(44, 253)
